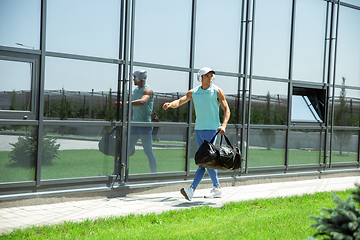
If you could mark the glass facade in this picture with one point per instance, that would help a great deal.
(289, 71)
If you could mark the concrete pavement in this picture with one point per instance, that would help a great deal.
(26, 216)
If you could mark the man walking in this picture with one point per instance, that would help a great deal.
(207, 98)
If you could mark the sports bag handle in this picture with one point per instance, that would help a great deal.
(226, 139)
(213, 138)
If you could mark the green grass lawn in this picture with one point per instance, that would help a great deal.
(89, 162)
(276, 157)
(276, 218)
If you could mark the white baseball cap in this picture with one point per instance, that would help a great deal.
(203, 71)
(140, 75)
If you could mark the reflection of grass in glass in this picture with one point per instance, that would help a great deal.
(263, 157)
(168, 160)
(86, 163)
(345, 157)
(303, 157)
(11, 173)
(89, 162)
(276, 157)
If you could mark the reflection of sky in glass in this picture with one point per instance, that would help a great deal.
(20, 23)
(159, 29)
(348, 54)
(309, 40)
(353, 2)
(302, 110)
(271, 38)
(92, 28)
(217, 34)
(87, 27)
(79, 76)
(260, 87)
(11, 79)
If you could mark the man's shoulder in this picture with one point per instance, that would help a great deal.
(215, 87)
(195, 89)
(147, 88)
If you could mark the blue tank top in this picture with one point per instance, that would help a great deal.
(143, 113)
(206, 108)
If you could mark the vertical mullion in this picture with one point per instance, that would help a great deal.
(119, 155)
(40, 91)
(334, 70)
(130, 5)
(191, 80)
(290, 84)
(326, 83)
(246, 57)
(240, 78)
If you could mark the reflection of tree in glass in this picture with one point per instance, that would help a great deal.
(24, 150)
(110, 108)
(13, 104)
(342, 118)
(63, 111)
(267, 135)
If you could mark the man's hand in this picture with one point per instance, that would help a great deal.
(222, 130)
(116, 103)
(166, 105)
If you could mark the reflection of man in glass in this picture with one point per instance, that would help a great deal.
(155, 118)
(143, 101)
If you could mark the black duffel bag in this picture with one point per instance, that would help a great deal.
(218, 157)
(107, 144)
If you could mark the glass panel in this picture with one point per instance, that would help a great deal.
(79, 89)
(20, 23)
(353, 2)
(309, 40)
(266, 147)
(169, 151)
(303, 110)
(17, 153)
(218, 35)
(162, 32)
(89, 27)
(167, 86)
(272, 38)
(348, 53)
(268, 102)
(78, 154)
(16, 93)
(347, 104)
(345, 146)
(304, 146)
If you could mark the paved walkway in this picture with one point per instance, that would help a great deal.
(22, 217)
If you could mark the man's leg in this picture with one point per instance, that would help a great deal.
(146, 141)
(202, 135)
(134, 137)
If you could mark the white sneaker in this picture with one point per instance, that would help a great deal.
(214, 193)
(188, 193)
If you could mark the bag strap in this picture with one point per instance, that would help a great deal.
(226, 139)
(113, 130)
(213, 138)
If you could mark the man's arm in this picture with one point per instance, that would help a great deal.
(177, 103)
(225, 107)
(147, 94)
